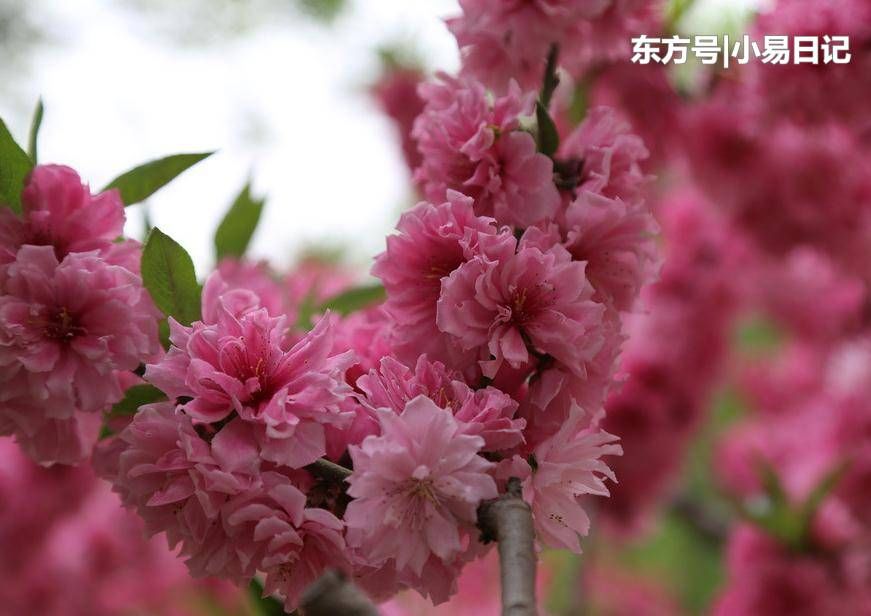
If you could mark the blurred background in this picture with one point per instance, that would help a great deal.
(286, 91)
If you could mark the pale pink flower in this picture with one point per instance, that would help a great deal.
(474, 146)
(244, 363)
(254, 276)
(67, 329)
(432, 242)
(487, 412)
(60, 211)
(515, 307)
(617, 240)
(416, 488)
(568, 466)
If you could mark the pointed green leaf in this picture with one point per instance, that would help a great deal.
(168, 274)
(15, 164)
(548, 137)
(143, 181)
(35, 124)
(354, 299)
(236, 229)
(135, 397)
(551, 79)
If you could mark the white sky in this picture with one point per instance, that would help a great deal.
(285, 105)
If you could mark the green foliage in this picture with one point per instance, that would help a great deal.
(35, 124)
(236, 229)
(168, 274)
(135, 397)
(143, 181)
(354, 299)
(15, 164)
(263, 606)
(548, 137)
(344, 303)
(691, 568)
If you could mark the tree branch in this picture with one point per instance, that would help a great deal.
(508, 520)
(333, 595)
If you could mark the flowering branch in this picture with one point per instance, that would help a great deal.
(508, 520)
(333, 594)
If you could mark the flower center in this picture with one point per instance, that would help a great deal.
(61, 325)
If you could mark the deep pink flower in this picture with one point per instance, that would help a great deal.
(432, 242)
(177, 481)
(509, 305)
(503, 40)
(244, 363)
(486, 412)
(273, 531)
(396, 93)
(416, 488)
(66, 331)
(60, 211)
(475, 147)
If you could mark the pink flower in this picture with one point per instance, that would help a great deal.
(502, 40)
(567, 467)
(66, 331)
(609, 156)
(510, 306)
(617, 240)
(396, 93)
(473, 146)
(244, 363)
(487, 412)
(177, 481)
(416, 488)
(255, 277)
(432, 242)
(272, 531)
(59, 211)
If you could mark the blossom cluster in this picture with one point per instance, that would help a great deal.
(75, 320)
(491, 356)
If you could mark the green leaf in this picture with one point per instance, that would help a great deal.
(34, 130)
(263, 606)
(551, 79)
(135, 397)
(354, 299)
(15, 164)
(238, 226)
(548, 137)
(143, 181)
(168, 274)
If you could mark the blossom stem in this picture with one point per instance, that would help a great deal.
(333, 594)
(508, 520)
(330, 471)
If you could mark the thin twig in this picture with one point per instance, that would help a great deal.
(333, 595)
(329, 470)
(508, 520)
(708, 523)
